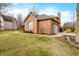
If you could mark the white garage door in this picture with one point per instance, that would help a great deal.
(55, 29)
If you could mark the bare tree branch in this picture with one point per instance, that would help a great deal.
(34, 10)
(3, 7)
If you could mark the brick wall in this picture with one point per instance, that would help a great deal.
(44, 27)
(34, 27)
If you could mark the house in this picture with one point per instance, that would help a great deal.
(42, 24)
(7, 22)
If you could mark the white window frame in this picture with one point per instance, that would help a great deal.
(30, 25)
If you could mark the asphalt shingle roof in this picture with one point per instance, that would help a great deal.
(8, 18)
(42, 17)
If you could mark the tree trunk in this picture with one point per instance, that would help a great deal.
(77, 24)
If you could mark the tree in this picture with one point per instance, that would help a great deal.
(69, 26)
(3, 6)
(77, 24)
(34, 10)
(19, 18)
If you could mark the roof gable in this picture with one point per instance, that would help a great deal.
(31, 14)
(41, 17)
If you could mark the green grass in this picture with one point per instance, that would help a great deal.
(16, 43)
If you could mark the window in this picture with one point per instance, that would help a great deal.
(30, 25)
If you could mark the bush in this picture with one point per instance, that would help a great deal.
(69, 27)
(29, 31)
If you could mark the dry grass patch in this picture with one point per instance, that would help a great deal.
(16, 43)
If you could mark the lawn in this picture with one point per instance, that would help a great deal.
(16, 43)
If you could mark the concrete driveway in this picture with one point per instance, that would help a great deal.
(64, 34)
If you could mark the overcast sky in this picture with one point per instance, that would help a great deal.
(67, 10)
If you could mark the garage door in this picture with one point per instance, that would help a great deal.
(55, 29)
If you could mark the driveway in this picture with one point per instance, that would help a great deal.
(63, 34)
(58, 34)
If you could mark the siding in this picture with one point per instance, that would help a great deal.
(10, 25)
(7, 24)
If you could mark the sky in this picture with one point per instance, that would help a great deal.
(67, 10)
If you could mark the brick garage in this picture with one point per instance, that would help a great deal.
(43, 24)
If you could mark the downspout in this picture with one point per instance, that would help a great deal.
(13, 23)
(37, 26)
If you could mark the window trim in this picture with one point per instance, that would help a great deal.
(30, 25)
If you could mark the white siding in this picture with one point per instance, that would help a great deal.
(8, 25)
(15, 25)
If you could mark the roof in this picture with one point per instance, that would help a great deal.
(41, 17)
(8, 18)
(44, 16)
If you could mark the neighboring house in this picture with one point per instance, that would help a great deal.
(43, 24)
(7, 22)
